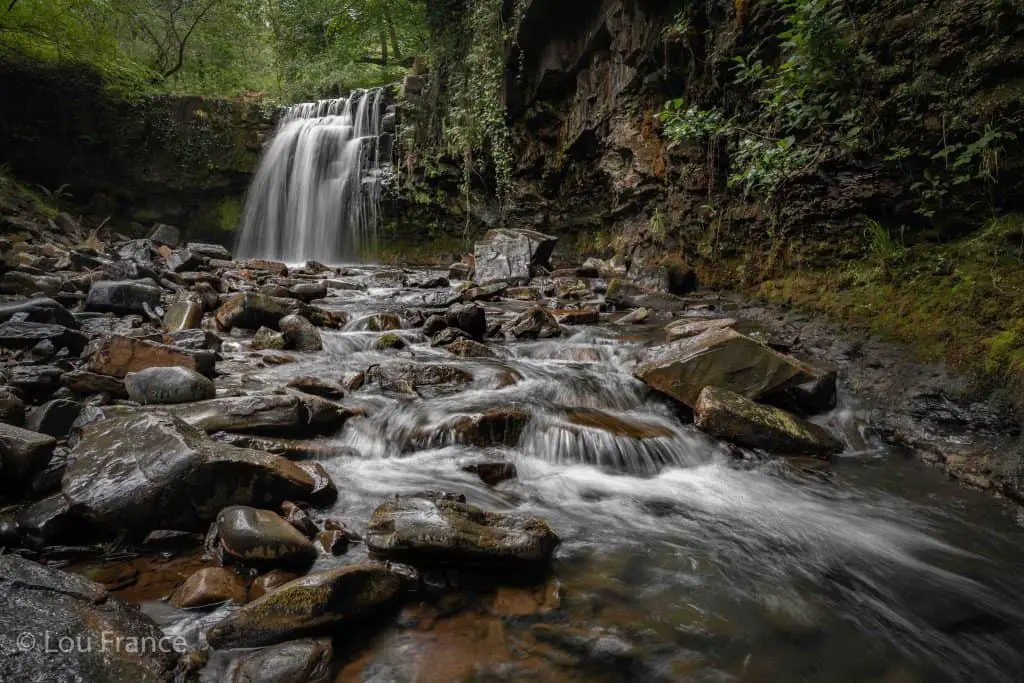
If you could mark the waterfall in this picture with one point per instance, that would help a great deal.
(316, 194)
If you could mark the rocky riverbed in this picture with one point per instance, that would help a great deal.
(494, 471)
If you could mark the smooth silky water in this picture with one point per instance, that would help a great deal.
(711, 567)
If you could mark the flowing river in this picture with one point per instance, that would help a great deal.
(679, 560)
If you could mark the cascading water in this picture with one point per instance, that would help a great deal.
(316, 194)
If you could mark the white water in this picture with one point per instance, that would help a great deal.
(316, 194)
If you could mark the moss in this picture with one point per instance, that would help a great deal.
(228, 213)
(960, 302)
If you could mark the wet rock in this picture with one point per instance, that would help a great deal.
(253, 311)
(449, 335)
(390, 341)
(168, 385)
(297, 516)
(270, 581)
(433, 325)
(467, 348)
(19, 282)
(21, 335)
(82, 382)
(35, 382)
(470, 318)
(684, 329)
(39, 310)
(485, 292)
(261, 413)
(308, 291)
(586, 316)
(637, 317)
(273, 267)
(321, 317)
(23, 453)
(536, 323)
(267, 339)
(209, 586)
(43, 521)
(431, 529)
(54, 606)
(126, 296)
(512, 255)
(324, 492)
(332, 542)
(721, 358)
(212, 251)
(344, 596)
(194, 340)
(184, 259)
(298, 661)
(55, 417)
(383, 322)
(428, 282)
(138, 472)
(626, 294)
(119, 355)
(409, 378)
(612, 268)
(523, 294)
(820, 395)
(352, 380)
(495, 427)
(734, 418)
(165, 234)
(630, 428)
(317, 387)
(207, 296)
(183, 314)
(12, 408)
(262, 537)
(571, 289)
(300, 334)
(492, 473)
(460, 271)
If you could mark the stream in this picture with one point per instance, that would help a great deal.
(679, 560)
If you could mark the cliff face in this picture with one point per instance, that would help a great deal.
(587, 81)
(180, 160)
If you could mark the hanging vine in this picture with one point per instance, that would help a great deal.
(468, 115)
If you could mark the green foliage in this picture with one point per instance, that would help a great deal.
(886, 249)
(691, 124)
(292, 49)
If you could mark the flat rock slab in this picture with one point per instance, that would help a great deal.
(734, 418)
(510, 255)
(343, 596)
(436, 529)
(125, 296)
(19, 335)
(118, 355)
(720, 358)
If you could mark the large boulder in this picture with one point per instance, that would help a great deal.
(734, 418)
(117, 356)
(253, 311)
(152, 471)
(262, 537)
(511, 255)
(22, 454)
(46, 609)
(721, 358)
(325, 600)
(168, 385)
(123, 297)
(418, 378)
(444, 529)
(165, 234)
